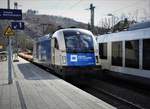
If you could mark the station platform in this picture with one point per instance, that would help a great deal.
(34, 88)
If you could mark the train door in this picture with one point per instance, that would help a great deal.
(57, 52)
(52, 51)
(104, 53)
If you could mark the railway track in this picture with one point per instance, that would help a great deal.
(117, 96)
(107, 93)
(121, 103)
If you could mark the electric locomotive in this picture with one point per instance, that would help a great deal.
(69, 52)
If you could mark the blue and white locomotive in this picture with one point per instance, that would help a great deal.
(68, 51)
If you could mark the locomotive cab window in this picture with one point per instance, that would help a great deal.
(132, 53)
(117, 53)
(56, 44)
(146, 54)
(103, 50)
(78, 42)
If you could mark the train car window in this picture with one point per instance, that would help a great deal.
(146, 54)
(56, 44)
(117, 53)
(103, 50)
(132, 53)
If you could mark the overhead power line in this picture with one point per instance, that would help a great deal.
(72, 6)
(122, 8)
(131, 5)
(75, 4)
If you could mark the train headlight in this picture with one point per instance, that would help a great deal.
(64, 59)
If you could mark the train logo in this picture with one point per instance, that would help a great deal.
(74, 58)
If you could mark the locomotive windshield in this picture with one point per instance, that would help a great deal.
(77, 42)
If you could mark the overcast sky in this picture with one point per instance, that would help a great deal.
(76, 9)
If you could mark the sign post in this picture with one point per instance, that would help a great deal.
(8, 33)
(10, 80)
(10, 14)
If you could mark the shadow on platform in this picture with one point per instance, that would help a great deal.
(32, 72)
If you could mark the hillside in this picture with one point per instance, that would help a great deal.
(36, 26)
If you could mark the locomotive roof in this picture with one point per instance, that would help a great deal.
(75, 29)
(48, 36)
(125, 35)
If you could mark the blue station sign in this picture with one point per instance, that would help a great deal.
(17, 25)
(10, 14)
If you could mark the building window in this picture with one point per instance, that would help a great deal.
(103, 50)
(117, 53)
(132, 53)
(146, 54)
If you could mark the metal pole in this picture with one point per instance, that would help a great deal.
(8, 4)
(16, 38)
(92, 17)
(10, 80)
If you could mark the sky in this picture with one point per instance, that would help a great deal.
(78, 9)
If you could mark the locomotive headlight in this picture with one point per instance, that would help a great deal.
(64, 59)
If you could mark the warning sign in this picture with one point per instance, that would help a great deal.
(9, 32)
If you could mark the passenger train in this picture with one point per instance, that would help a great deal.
(127, 54)
(69, 52)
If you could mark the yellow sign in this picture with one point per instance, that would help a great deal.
(9, 32)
